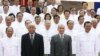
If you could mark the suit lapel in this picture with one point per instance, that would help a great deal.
(59, 40)
(35, 38)
(28, 39)
(58, 37)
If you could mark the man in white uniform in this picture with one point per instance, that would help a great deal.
(79, 26)
(33, 14)
(55, 24)
(47, 34)
(6, 12)
(53, 5)
(66, 17)
(8, 23)
(38, 24)
(16, 7)
(25, 14)
(86, 42)
(4, 2)
(19, 25)
(42, 15)
(72, 32)
(9, 46)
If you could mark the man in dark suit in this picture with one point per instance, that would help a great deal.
(32, 43)
(61, 44)
(40, 7)
(29, 6)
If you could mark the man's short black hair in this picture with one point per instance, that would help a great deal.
(84, 2)
(87, 22)
(66, 11)
(80, 17)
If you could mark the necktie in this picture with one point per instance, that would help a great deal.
(61, 37)
(32, 39)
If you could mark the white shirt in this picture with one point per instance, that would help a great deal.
(72, 33)
(3, 30)
(26, 16)
(86, 44)
(55, 27)
(1, 33)
(2, 11)
(79, 28)
(4, 16)
(63, 21)
(15, 9)
(62, 16)
(74, 18)
(47, 34)
(49, 7)
(10, 47)
(19, 28)
(42, 16)
(39, 28)
(32, 18)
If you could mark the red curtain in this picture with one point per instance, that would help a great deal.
(24, 2)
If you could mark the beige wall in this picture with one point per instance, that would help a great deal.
(90, 5)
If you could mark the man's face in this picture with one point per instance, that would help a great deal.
(16, 2)
(87, 27)
(37, 20)
(5, 2)
(22, 9)
(8, 20)
(6, 8)
(47, 25)
(67, 14)
(60, 8)
(41, 4)
(73, 10)
(81, 20)
(92, 12)
(47, 17)
(53, 1)
(30, 3)
(53, 11)
(82, 13)
(85, 5)
(27, 22)
(70, 25)
(94, 23)
(20, 16)
(9, 32)
(56, 20)
(33, 10)
(31, 28)
(98, 18)
(61, 29)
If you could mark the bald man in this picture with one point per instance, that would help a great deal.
(61, 44)
(32, 43)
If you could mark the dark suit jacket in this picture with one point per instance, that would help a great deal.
(38, 10)
(27, 9)
(61, 48)
(27, 49)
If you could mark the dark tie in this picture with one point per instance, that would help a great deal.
(32, 39)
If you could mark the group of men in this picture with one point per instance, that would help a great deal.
(48, 30)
